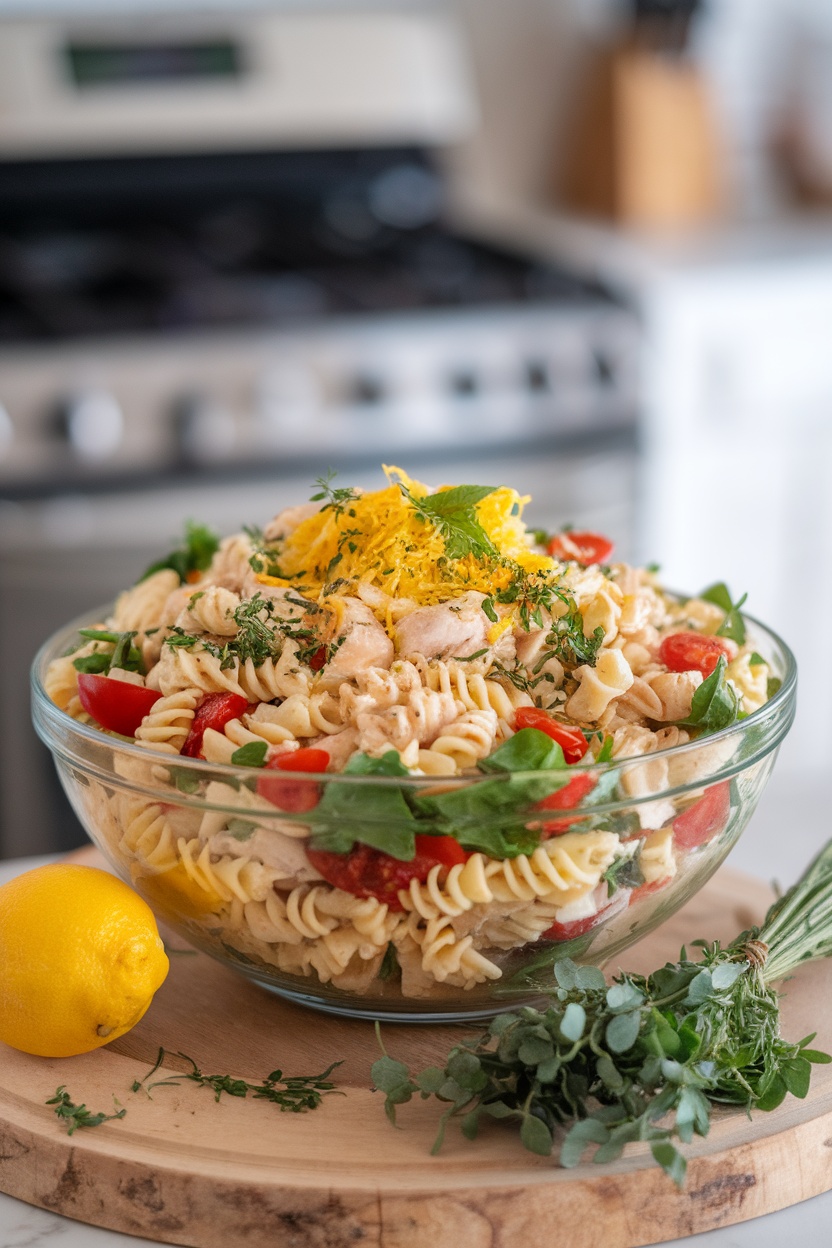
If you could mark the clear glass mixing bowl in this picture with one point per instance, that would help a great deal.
(219, 855)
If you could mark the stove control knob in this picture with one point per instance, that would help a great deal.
(205, 431)
(93, 424)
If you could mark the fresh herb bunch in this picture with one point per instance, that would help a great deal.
(645, 1058)
(294, 1094)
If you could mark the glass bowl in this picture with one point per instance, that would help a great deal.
(218, 852)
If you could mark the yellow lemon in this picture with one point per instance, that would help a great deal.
(80, 959)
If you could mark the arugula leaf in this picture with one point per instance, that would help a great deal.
(715, 703)
(492, 815)
(733, 626)
(528, 750)
(375, 815)
(453, 513)
(199, 547)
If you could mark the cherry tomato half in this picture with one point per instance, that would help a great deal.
(705, 819)
(692, 652)
(115, 704)
(214, 711)
(567, 798)
(367, 872)
(580, 548)
(293, 796)
(571, 740)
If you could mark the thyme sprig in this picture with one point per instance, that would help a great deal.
(293, 1094)
(645, 1058)
(75, 1116)
(338, 499)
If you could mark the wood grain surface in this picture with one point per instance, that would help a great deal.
(182, 1169)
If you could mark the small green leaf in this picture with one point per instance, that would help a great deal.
(622, 1031)
(670, 1160)
(252, 754)
(573, 1022)
(578, 1138)
(536, 1136)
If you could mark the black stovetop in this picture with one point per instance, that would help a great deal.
(102, 248)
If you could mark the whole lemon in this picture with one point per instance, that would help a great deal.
(80, 959)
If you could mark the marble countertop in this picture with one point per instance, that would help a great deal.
(764, 851)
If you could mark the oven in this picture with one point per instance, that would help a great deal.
(226, 266)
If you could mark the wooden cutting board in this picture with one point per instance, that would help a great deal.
(183, 1169)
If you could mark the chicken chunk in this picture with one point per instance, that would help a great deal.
(286, 521)
(362, 642)
(453, 629)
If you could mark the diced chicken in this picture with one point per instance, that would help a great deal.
(286, 521)
(362, 641)
(453, 629)
(340, 747)
(273, 848)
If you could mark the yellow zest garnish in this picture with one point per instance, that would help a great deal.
(380, 539)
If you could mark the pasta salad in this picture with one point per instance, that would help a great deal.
(476, 686)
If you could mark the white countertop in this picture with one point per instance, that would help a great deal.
(789, 827)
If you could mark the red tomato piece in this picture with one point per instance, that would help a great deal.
(705, 819)
(580, 547)
(692, 652)
(567, 798)
(293, 796)
(214, 711)
(115, 704)
(318, 659)
(645, 890)
(568, 931)
(367, 872)
(571, 740)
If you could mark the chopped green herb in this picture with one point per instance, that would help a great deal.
(293, 1093)
(755, 659)
(338, 499)
(75, 1116)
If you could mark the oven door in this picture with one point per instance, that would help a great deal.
(62, 556)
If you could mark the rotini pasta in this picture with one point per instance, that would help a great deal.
(397, 644)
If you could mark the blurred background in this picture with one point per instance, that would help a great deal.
(583, 247)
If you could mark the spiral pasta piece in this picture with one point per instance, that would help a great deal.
(212, 611)
(469, 738)
(566, 867)
(464, 886)
(166, 725)
(142, 607)
(447, 958)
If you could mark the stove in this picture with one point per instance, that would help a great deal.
(227, 263)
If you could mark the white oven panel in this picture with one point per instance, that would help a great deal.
(155, 81)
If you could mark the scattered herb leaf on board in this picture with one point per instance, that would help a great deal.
(646, 1057)
(75, 1116)
(293, 1093)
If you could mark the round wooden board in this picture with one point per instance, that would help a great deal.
(183, 1169)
